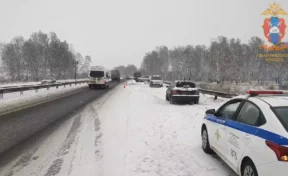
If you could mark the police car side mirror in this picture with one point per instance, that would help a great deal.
(167, 86)
(210, 111)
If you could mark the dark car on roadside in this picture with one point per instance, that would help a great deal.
(182, 91)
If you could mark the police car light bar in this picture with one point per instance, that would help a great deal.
(265, 92)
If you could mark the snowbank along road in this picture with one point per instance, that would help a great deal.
(130, 131)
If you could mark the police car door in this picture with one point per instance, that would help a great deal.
(226, 112)
(241, 130)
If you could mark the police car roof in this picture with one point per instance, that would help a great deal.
(275, 100)
(241, 97)
(272, 100)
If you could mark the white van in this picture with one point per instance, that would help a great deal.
(98, 77)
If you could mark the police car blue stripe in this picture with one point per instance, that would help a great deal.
(264, 134)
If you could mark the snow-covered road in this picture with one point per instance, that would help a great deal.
(130, 131)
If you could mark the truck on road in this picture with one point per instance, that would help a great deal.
(98, 77)
(115, 75)
(137, 75)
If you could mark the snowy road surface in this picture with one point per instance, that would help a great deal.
(130, 131)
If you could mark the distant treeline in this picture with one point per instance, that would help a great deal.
(42, 55)
(126, 70)
(225, 60)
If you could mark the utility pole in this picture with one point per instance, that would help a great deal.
(75, 76)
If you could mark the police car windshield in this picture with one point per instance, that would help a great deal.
(282, 114)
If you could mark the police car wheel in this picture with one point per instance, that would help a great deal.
(205, 142)
(249, 169)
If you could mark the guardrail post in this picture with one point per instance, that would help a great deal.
(47, 88)
(21, 92)
(36, 90)
(215, 98)
(64, 85)
(1, 95)
(56, 87)
(70, 85)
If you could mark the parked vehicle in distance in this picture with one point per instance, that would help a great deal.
(156, 80)
(115, 75)
(145, 79)
(98, 77)
(48, 81)
(137, 75)
(182, 91)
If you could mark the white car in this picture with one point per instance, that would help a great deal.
(250, 133)
(156, 80)
(48, 81)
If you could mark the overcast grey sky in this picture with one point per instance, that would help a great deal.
(119, 32)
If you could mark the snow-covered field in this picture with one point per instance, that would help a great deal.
(13, 101)
(32, 83)
(240, 88)
(130, 131)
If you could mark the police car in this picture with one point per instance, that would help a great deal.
(250, 133)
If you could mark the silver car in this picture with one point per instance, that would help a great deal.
(48, 81)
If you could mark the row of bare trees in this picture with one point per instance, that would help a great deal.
(225, 60)
(42, 55)
(128, 70)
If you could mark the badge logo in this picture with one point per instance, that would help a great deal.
(217, 134)
(274, 27)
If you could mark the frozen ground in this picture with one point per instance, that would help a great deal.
(12, 101)
(130, 131)
(32, 83)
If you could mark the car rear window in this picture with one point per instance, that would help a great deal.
(156, 78)
(185, 84)
(282, 114)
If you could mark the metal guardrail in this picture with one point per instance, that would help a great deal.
(216, 94)
(36, 87)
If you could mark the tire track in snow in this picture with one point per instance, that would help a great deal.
(98, 134)
(55, 168)
(127, 134)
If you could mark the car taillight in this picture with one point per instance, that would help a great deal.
(280, 151)
(174, 92)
